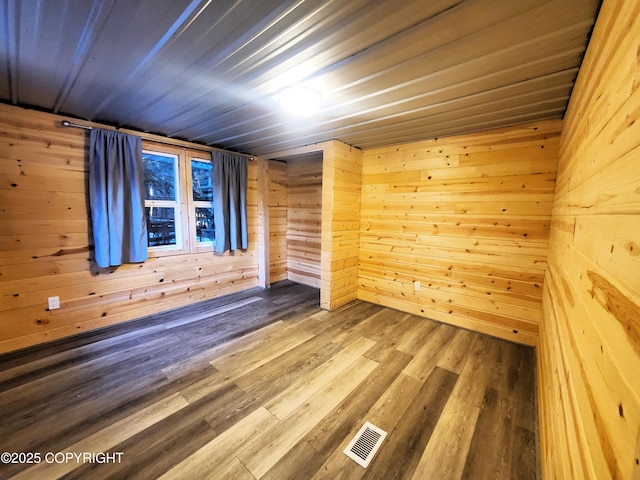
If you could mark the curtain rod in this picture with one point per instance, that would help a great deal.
(67, 123)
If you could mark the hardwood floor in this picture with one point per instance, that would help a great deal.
(266, 385)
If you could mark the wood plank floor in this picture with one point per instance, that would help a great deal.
(266, 385)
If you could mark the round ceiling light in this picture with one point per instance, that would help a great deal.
(300, 100)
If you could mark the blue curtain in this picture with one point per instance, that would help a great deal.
(116, 195)
(230, 201)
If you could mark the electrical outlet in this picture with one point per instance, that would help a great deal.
(54, 302)
(416, 286)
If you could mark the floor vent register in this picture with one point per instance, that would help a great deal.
(362, 448)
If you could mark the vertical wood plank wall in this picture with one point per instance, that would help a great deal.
(589, 352)
(341, 185)
(304, 218)
(277, 220)
(468, 218)
(46, 245)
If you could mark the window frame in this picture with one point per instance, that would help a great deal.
(185, 206)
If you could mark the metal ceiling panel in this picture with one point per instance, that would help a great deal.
(210, 71)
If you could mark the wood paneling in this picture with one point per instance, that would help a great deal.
(340, 217)
(277, 220)
(589, 355)
(304, 218)
(295, 211)
(46, 245)
(263, 197)
(341, 187)
(468, 217)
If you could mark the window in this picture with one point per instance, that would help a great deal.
(178, 199)
(161, 180)
(202, 201)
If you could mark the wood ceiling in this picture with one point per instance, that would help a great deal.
(209, 71)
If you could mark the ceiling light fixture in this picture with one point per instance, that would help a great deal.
(300, 100)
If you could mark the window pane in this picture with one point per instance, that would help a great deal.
(159, 177)
(204, 225)
(161, 226)
(201, 181)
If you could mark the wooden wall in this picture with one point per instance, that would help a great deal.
(468, 218)
(295, 212)
(277, 175)
(304, 218)
(46, 245)
(340, 216)
(341, 184)
(589, 354)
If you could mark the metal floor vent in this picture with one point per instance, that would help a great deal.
(365, 444)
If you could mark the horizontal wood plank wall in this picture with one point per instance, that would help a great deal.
(46, 244)
(277, 220)
(589, 349)
(304, 218)
(263, 247)
(468, 218)
(341, 186)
